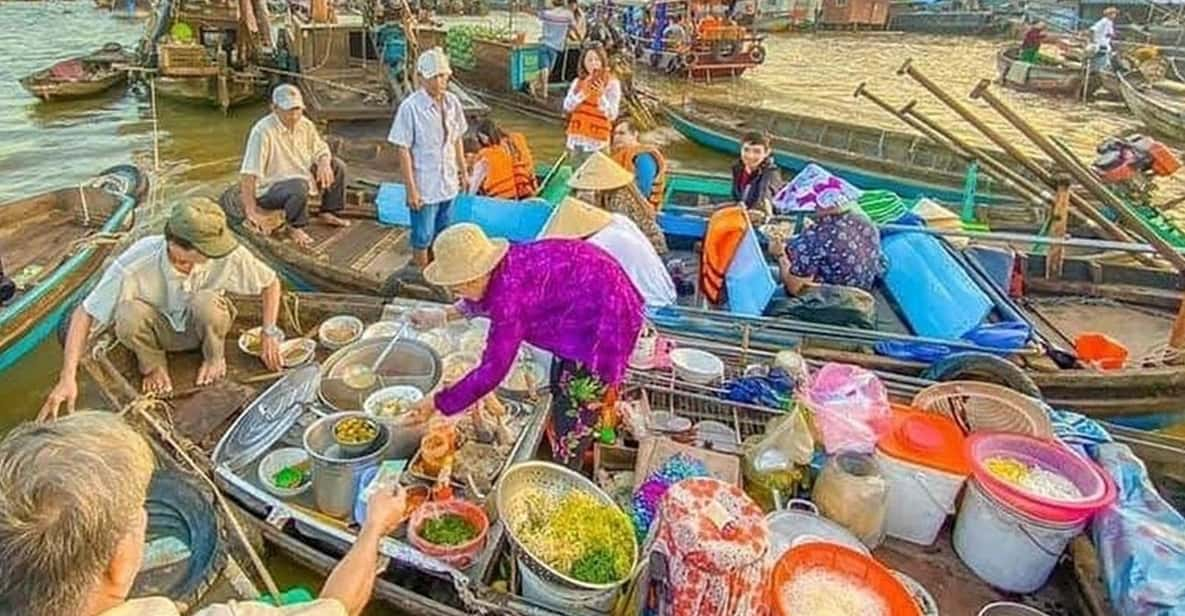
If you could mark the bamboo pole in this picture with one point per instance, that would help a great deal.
(1109, 228)
(1066, 159)
(1061, 207)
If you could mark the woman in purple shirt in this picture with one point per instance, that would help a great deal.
(567, 297)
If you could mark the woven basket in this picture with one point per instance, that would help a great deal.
(185, 60)
(985, 407)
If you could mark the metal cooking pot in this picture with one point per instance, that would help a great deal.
(336, 474)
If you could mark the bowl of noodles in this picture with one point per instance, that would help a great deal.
(569, 531)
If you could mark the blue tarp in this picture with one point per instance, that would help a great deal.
(748, 281)
(517, 221)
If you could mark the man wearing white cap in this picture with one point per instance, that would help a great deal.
(285, 161)
(427, 130)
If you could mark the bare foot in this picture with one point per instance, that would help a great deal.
(333, 220)
(302, 239)
(257, 221)
(157, 382)
(211, 371)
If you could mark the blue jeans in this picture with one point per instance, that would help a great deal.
(427, 222)
(547, 58)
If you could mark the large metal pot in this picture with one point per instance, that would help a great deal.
(335, 474)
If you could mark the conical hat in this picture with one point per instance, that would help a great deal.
(599, 172)
(575, 219)
(463, 253)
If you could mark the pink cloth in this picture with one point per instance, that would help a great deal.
(69, 70)
(568, 297)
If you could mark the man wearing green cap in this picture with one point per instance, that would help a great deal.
(165, 294)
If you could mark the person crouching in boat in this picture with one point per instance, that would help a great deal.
(646, 162)
(73, 527)
(285, 160)
(755, 176)
(607, 185)
(592, 104)
(567, 297)
(622, 239)
(503, 166)
(829, 269)
(165, 293)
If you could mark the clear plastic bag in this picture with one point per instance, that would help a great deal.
(850, 407)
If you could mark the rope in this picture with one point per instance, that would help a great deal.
(1160, 355)
(143, 407)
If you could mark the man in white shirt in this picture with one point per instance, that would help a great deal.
(165, 294)
(556, 24)
(73, 527)
(617, 235)
(285, 159)
(1102, 35)
(428, 129)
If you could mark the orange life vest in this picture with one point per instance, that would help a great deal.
(726, 229)
(510, 169)
(625, 157)
(587, 120)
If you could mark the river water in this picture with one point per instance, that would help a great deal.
(196, 150)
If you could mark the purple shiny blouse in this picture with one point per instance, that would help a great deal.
(568, 297)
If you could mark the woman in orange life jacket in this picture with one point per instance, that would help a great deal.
(503, 166)
(592, 104)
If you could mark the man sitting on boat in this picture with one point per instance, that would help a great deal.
(828, 270)
(646, 162)
(755, 176)
(567, 297)
(427, 130)
(73, 527)
(166, 293)
(503, 166)
(607, 185)
(617, 235)
(286, 160)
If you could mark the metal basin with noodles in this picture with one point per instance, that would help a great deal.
(347, 378)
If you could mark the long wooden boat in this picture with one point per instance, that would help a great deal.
(1133, 305)
(53, 245)
(1062, 80)
(1160, 113)
(968, 23)
(869, 158)
(413, 583)
(80, 77)
(223, 91)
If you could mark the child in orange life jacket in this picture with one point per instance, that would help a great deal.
(502, 166)
(593, 102)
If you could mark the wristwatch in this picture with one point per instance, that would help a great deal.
(271, 331)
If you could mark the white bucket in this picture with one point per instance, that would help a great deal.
(920, 498)
(560, 598)
(1006, 548)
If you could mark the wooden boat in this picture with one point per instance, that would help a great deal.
(413, 583)
(53, 245)
(722, 51)
(869, 158)
(80, 77)
(967, 23)
(223, 91)
(1062, 80)
(1163, 115)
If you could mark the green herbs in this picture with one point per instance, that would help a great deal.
(448, 529)
(291, 477)
(585, 389)
(597, 566)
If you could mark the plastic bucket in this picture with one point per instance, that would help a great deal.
(1006, 548)
(559, 597)
(1100, 350)
(920, 498)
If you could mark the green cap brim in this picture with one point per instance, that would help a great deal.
(217, 247)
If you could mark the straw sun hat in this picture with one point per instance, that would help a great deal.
(463, 253)
(575, 219)
(599, 172)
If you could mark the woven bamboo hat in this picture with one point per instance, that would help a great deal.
(575, 219)
(599, 172)
(463, 253)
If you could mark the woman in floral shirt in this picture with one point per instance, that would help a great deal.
(842, 247)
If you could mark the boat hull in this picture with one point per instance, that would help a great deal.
(206, 90)
(62, 91)
(1040, 78)
(976, 23)
(1161, 116)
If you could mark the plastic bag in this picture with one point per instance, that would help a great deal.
(850, 406)
(852, 491)
(1140, 540)
(787, 443)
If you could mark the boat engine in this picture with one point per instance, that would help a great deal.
(1129, 165)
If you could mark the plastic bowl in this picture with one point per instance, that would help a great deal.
(246, 337)
(406, 393)
(344, 321)
(1098, 491)
(275, 461)
(297, 351)
(847, 562)
(382, 329)
(696, 366)
(459, 556)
